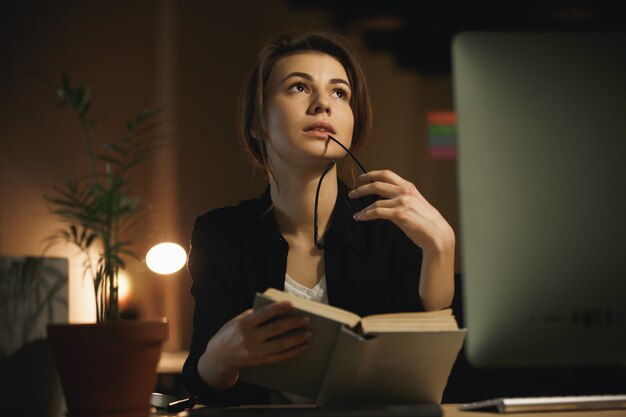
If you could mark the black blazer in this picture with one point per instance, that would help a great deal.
(371, 268)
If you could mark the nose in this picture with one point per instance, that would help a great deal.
(320, 104)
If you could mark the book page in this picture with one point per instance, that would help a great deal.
(440, 320)
(320, 309)
(393, 368)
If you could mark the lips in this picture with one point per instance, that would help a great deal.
(320, 129)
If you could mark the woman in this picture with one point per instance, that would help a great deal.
(379, 248)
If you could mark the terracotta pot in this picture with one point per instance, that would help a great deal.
(108, 369)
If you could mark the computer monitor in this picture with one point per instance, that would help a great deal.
(542, 193)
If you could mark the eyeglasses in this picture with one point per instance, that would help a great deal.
(318, 242)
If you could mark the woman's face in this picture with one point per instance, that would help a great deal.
(307, 98)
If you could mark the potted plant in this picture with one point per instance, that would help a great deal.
(106, 368)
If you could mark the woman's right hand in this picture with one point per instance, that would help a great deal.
(253, 338)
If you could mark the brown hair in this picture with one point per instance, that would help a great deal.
(252, 103)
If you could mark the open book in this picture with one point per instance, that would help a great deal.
(380, 359)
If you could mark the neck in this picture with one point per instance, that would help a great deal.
(294, 202)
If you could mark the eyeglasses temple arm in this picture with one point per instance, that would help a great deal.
(318, 243)
(361, 167)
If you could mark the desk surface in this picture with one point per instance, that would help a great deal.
(452, 410)
(172, 362)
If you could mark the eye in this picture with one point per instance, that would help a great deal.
(341, 93)
(298, 87)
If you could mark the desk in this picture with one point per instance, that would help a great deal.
(452, 410)
(172, 362)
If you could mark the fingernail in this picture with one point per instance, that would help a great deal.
(357, 216)
(351, 193)
(361, 176)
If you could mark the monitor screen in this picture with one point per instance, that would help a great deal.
(542, 194)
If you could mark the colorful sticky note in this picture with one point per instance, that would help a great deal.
(441, 134)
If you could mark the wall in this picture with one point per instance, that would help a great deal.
(194, 56)
(112, 50)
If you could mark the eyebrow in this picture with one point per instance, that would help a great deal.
(310, 78)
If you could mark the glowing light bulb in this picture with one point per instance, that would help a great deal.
(166, 258)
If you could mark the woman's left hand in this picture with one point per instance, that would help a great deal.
(403, 204)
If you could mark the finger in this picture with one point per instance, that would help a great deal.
(383, 189)
(391, 203)
(281, 326)
(383, 175)
(400, 209)
(387, 213)
(285, 355)
(267, 313)
(283, 343)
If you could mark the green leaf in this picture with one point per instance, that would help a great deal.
(90, 124)
(60, 92)
(119, 261)
(77, 97)
(136, 161)
(65, 82)
(110, 159)
(90, 240)
(115, 148)
(65, 203)
(145, 114)
(84, 107)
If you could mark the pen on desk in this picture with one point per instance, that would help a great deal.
(180, 405)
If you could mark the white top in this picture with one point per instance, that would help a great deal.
(319, 294)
